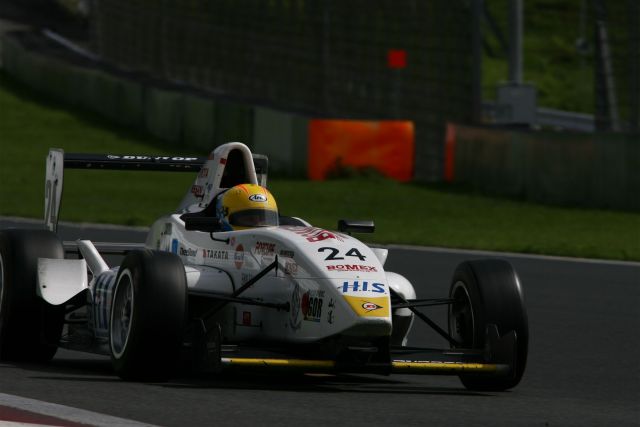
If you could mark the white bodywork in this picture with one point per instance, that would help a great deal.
(59, 280)
(333, 283)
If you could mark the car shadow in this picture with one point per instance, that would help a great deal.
(98, 369)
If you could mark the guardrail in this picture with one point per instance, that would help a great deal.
(568, 120)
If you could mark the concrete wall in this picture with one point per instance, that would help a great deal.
(592, 170)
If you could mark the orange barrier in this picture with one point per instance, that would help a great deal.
(450, 153)
(387, 146)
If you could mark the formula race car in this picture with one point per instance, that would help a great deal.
(227, 282)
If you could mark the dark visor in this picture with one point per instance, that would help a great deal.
(254, 218)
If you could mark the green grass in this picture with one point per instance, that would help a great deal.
(404, 213)
(563, 76)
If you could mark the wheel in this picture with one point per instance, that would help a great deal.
(30, 328)
(488, 292)
(148, 316)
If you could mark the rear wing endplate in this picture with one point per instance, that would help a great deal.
(58, 160)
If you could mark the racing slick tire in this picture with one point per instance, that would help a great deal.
(148, 316)
(30, 328)
(488, 292)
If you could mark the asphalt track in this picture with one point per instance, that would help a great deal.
(583, 369)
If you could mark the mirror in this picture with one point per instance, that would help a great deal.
(356, 226)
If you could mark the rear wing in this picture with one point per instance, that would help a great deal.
(58, 160)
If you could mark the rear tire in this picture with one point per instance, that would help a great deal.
(30, 328)
(488, 292)
(148, 316)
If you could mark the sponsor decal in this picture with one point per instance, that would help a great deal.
(314, 234)
(178, 159)
(311, 305)
(290, 268)
(102, 300)
(245, 277)
(286, 253)
(371, 306)
(295, 320)
(223, 161)
(213, 254)
(232, 241)
(174, 246)
(197, 190)
(258, 198)
(265, 248)
(238, 257)
(352, 267)
(187, 251)
(364, 286)
(204, 172)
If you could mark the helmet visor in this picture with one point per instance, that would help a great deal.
(254, 218)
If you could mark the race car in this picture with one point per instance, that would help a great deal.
(226, 281)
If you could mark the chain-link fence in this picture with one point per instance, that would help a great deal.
(388, 59)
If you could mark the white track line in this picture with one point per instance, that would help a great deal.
(66, 412)
(434, 249)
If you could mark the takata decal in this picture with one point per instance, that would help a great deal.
(295, 319)
(215, 254)
(311, 305)
(314, 234)
(352, 267)
(258, 198)
(361, 286)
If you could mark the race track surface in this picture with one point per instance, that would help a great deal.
(583, 368)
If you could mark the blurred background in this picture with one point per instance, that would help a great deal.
(537, 100)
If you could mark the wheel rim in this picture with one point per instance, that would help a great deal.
(122, 315)
(461, 316)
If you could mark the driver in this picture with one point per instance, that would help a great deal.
(246, 206)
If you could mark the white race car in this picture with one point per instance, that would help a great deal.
(226, 282)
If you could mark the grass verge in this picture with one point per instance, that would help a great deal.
(404, 213)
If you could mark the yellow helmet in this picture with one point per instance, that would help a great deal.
(247, 206)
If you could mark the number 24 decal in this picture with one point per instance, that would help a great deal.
(333, 254)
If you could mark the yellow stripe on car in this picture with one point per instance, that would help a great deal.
(369, 307)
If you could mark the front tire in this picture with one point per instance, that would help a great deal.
(488, 292)
(30, 328)
(148, 316)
